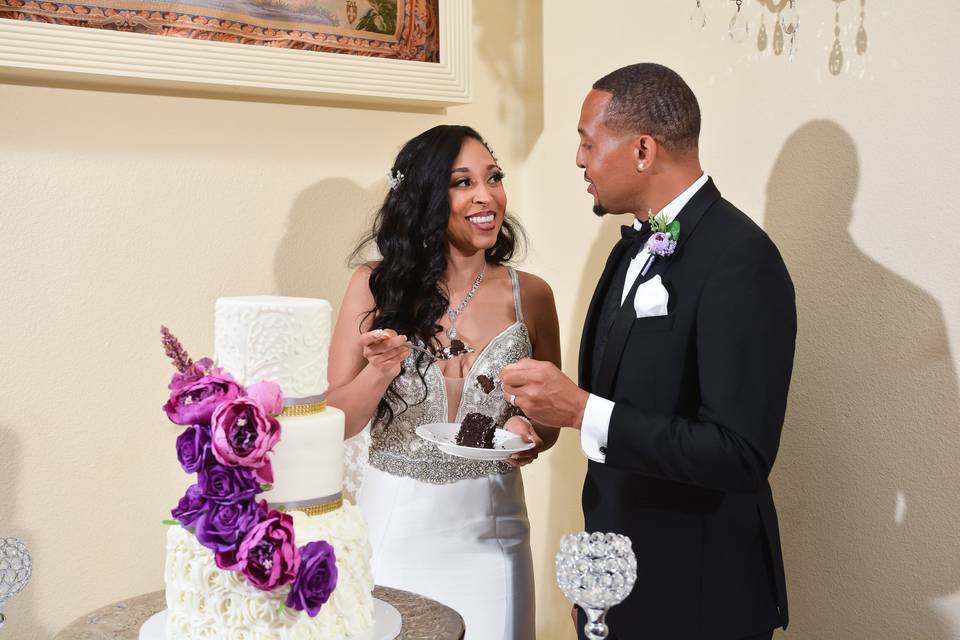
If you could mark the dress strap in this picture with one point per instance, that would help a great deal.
(516, 293)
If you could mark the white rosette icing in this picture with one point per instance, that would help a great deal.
(206, 602)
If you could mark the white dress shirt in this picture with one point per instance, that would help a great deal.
(596, 415)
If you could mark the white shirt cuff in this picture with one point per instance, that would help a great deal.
(595, 426)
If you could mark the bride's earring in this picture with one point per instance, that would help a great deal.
(640, 166)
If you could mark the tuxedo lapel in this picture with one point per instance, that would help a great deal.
(589, 325)
(689, 218)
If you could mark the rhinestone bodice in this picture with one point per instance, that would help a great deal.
(396, 448)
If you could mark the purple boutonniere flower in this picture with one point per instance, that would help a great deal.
(661, 244)
(316, 579)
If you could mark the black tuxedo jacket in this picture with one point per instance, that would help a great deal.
(700, 398)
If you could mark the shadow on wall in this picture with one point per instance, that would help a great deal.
(510, 42)
(21, 609)
(567, 464)
(325, 223)
(867, 476)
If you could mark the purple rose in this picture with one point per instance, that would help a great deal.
(268, 554)
(223, 484)
(223, 526)
(193, 401)
(316, 579)
(192, 445)
(191, 506)
(244, 434)
(269, 396)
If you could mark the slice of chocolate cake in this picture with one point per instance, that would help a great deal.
(476, 430)
(485, 383)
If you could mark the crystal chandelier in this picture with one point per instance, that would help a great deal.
(786, 28)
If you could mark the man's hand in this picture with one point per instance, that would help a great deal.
(543, 393)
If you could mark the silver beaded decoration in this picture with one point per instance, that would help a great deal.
(16, 567)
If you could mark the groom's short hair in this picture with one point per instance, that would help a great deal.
(652, 99)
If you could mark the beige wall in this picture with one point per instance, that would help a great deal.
(119, 211)
(853, 177)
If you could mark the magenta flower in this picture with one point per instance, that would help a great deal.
(269, 395)
(316, 579)
(268, 555)
(193, 372)
(193, 401)
(243, 435)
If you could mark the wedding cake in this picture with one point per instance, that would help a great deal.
(267, 587)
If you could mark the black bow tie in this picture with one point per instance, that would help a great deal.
(634, 238)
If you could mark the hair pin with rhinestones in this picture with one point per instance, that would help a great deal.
(394, 178)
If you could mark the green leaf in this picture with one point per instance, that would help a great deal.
(281, 608)
(674, 230)
(171, 522)
(266, 486)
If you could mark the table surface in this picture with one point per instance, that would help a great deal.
(423, 619)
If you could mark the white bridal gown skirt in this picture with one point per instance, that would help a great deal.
(465, 544)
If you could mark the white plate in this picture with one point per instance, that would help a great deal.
(386, 624)
(444, 435)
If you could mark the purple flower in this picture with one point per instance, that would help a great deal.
(192, 445)
(191, 506)
(244, 434)
(223, 484)
(268, 555)
(223, 526)
(316, 579)
(192, 401)
(269, 396)
(193, 372)
(661, 244)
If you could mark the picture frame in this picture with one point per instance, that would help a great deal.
(36, 52)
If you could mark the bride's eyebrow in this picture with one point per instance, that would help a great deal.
(466, 170)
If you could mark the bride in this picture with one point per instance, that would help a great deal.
(451, 529)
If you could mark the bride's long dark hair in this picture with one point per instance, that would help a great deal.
(410, 232)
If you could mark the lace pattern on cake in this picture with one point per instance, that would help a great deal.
(396, 448)
(287, 345)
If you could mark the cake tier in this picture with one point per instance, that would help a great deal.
(205, 602)
(284, 340)
(308, 460)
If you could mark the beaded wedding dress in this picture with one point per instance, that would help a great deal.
(451, 529)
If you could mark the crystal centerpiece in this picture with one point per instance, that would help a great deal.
(15, 569)
(596, 571)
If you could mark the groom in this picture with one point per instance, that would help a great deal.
(685, 362)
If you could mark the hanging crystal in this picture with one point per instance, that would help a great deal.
(739, 29)
(698, 19)
(777, 38)
(762, 34)
(862, 32)
(835, 64)
(790, 18)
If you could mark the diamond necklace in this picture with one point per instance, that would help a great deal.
(453, 314)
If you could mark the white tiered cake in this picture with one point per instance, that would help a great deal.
(283, 340)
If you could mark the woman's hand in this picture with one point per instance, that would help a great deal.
(523, 428)
(385, 351)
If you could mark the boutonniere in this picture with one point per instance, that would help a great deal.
(663, 239)
(664, 235)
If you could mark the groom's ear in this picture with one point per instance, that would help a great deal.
(645, 150)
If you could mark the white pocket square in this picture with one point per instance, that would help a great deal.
(651, 299)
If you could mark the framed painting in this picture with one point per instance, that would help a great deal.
(397, 51)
